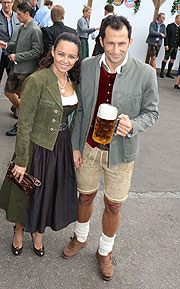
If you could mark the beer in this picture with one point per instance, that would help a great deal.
(104, 124)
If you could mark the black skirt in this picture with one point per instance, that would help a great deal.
(54, 203)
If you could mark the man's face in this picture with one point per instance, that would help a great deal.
(177, 20)
(22, 17)
(161, 19)
(7, 5)
(116, 44)
(33, 3)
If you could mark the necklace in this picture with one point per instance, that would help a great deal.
(62, 88)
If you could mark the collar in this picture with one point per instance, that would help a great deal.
(118, 68)
(5, 13)
(176, 24)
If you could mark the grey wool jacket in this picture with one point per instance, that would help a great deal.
(27, 48)
(135, 93)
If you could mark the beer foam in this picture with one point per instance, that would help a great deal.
(107, 111)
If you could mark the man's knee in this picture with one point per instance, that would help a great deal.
(111, 207)
(86, 200)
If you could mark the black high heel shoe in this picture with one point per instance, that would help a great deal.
(38, 252)
(16, 251)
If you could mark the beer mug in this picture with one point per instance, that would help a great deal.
(105, 123)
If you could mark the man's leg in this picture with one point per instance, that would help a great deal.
(153, 61)
(163, 64)
(170, 65)
(14, 98)
(85, 208)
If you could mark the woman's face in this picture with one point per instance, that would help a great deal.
(65, 56)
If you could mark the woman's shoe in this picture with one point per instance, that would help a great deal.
(38, 252)
(16, 251)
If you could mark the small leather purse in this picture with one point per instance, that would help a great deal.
(28, 184)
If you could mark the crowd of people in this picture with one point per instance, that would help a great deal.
(56, 97)
(171, 36)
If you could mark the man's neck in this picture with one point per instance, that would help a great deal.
(28, 20)
(8, 14)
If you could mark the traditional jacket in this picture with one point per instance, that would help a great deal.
(40, 114)
(135, 93)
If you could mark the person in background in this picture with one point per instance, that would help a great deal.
(84, 30)
(176, 86)
(34, 6)
(43, 147)
(171, 44)
(24, 54)
(8, 32)
(131, 86)
(51, 33)
(157, 31)
(43, 15)
(98, 49)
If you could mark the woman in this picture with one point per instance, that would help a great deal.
(83, 31)
(43, 147)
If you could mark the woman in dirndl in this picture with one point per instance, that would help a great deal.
(43, 148)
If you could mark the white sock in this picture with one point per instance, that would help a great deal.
(105, 244)
(81, 231)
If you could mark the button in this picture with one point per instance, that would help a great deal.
(109, 84)
(107, 100)
(108, 92)
(53, 120)
(55, 111)
(51, 129)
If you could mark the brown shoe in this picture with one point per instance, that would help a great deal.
(73, 247)
(106, 268)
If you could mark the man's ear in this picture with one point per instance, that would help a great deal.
(131, 41)
(100, 39)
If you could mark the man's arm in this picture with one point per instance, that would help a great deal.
(35, 50)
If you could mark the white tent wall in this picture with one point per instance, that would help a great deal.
(140, 22)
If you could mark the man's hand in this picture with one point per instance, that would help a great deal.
(12, 57)
(78, 162)
(2, 44)
(18, 172)
(124, 125)
(166, 48)
(162, 35)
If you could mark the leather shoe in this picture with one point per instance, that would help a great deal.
(13, 131)
(161, 75)
(73, 247)
(170, 76)
(176, 86)
(105, 266)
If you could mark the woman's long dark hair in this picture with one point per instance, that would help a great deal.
(74, 72)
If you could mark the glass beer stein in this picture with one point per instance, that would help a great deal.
(105, 123)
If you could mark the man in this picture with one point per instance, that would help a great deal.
(34, 6)
(171, 43)
(43, 15)
(131, 86)
(98, 49)
(24, 55)
(157, 31)
(51, 33)
(9, 25)
(83, 31)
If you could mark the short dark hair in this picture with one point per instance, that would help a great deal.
(48, 2)
(109, 8)
(160, 15)
(116, 23)
(25, 7)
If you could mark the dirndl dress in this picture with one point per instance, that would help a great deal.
(54, 203)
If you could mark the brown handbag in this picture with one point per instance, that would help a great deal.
(28, 184)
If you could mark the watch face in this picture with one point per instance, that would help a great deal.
(130, 3)
(117, 2)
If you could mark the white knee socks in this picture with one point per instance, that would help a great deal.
(105, 244)
(81, 231)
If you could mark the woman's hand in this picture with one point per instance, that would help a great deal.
(18, 172)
